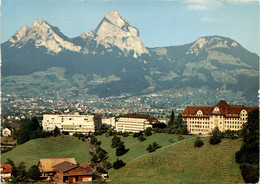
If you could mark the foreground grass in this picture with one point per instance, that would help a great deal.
(136, 148)
(53, 147)
(182, 163)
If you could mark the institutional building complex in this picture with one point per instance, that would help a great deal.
(134, 122)
(201, 119)
(71, 123)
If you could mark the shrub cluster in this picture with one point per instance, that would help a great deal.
(118, 164)
(216, 136)
(198, 143)
(153, 147)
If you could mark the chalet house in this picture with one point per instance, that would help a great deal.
(70, 173)
(6, 171)
(201, 119)
(46, 165)
(134, 122)
(7, 132)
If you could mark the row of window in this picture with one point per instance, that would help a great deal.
(232, 126)
(199, 130)
(194, 122)
(233, 122)
(200, 126)
(199, 118)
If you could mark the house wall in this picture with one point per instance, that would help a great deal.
(132, 124)
(6, 132)
(5, 175)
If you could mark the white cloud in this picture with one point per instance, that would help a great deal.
(236, 2)
(203, 4)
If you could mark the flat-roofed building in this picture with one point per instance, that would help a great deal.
(203, 119)
(71, 123)
(108, 122)
(134, 122)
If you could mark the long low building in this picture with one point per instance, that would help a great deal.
(203, 119)
(134, 122)
(71, 123)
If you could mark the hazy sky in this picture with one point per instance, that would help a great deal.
(160, 23)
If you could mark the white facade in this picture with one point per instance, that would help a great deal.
(71, 123)
(108, 122)
(7, 132)
(125, 124)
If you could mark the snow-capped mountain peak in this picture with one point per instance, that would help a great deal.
(43, 34)
(113, 31)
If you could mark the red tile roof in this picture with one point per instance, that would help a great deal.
(7, 168)
(223, 106)
(64, 166)
(15, 125)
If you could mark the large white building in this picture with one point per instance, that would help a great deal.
(201, 119)
(71, 123)
(108, 122)
(134, 122)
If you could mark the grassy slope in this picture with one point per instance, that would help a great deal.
(53, 147)
(183, 163)
(135, 147)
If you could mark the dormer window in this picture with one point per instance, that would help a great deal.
(199, 113)
(243, 113)
(216, 110)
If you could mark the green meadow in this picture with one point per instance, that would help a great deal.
(177, 161)
(182, 163)
(53, 147)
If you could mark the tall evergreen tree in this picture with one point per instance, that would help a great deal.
(171, 121)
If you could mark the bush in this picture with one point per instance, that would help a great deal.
(106, 164)
(148, 131)
(118, 164)
(34, 173)
(180, 137)
(153, 147)
(137, 134)
(125, 134)
(216, 136)
(141, 138)
(198, 143)
(94, 159)
(120, 150)
(171, 140)
(115, 142)
(214, 140)
(150, 148)
(250, 173)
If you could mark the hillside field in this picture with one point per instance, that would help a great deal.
(176, 162)
(182, 163)
(53, 147)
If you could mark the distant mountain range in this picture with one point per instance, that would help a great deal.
(112, 60)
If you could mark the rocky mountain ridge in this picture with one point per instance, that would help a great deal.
(111, 60)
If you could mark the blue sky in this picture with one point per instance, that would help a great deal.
(160, 23)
